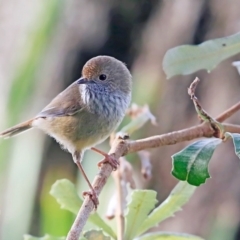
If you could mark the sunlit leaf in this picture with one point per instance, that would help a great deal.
(187, 59)
(46, 237)
(191, 164)
(142, 202)
(66, 195)
(95, 235)
(177, 198)
(236, 142)
(168, 236)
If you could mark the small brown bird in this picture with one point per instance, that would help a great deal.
(86, 112)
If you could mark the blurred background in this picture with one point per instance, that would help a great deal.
(44, 45)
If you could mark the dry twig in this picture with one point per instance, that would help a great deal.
(119, 210)
(146, 164)
(228, 113)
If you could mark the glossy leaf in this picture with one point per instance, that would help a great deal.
(191, 164)
(236, 142)
(168, 236)
(142, 202)
(177, 198)
(188, 59)
(66, 195)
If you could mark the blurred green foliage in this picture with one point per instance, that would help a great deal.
(138, 218)
(188, 59)
(24, 84)
(23, 87)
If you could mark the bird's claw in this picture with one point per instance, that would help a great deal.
(93, 196)
(111, 160)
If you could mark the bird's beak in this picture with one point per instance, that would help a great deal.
(84, 81)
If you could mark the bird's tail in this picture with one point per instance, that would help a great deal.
(17, 129)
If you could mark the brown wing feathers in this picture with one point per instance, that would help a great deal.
(66, 103)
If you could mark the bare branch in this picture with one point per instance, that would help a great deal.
(218, 128)
(192, 88)
(126, 174)
(119, 210)
(122, 147)
(118, 147)
(228, 113)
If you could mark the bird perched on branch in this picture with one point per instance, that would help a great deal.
(86, 112)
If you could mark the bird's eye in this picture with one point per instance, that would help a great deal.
(102, 77)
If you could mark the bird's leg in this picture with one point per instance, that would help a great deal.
(91, 193)
(107, 159)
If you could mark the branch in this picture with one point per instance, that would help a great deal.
(118, 147)
(228, 113)
(119, 209)
(218, 128)
(121, 147)
(125, 172)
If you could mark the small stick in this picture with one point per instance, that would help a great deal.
(218, 128)
(228, 113)
(118, 147)
(119, 210)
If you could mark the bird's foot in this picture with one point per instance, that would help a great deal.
(107, 159)
(93, 196)
(111, 160)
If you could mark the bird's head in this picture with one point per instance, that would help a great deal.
(108, 73)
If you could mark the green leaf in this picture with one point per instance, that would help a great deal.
(66, 195)
(177, 198)
(187, 59)
(142, 202)
(236, 142)
(46, 237)
(95, 235)
(168, 236)
(191, 164)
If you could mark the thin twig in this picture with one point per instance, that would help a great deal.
(118, 147)
(218, 128)
(201, 112)
(119, 209)
(228, 113)
(202, 130)
(146, 166)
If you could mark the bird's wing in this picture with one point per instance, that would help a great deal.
(66, 103)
